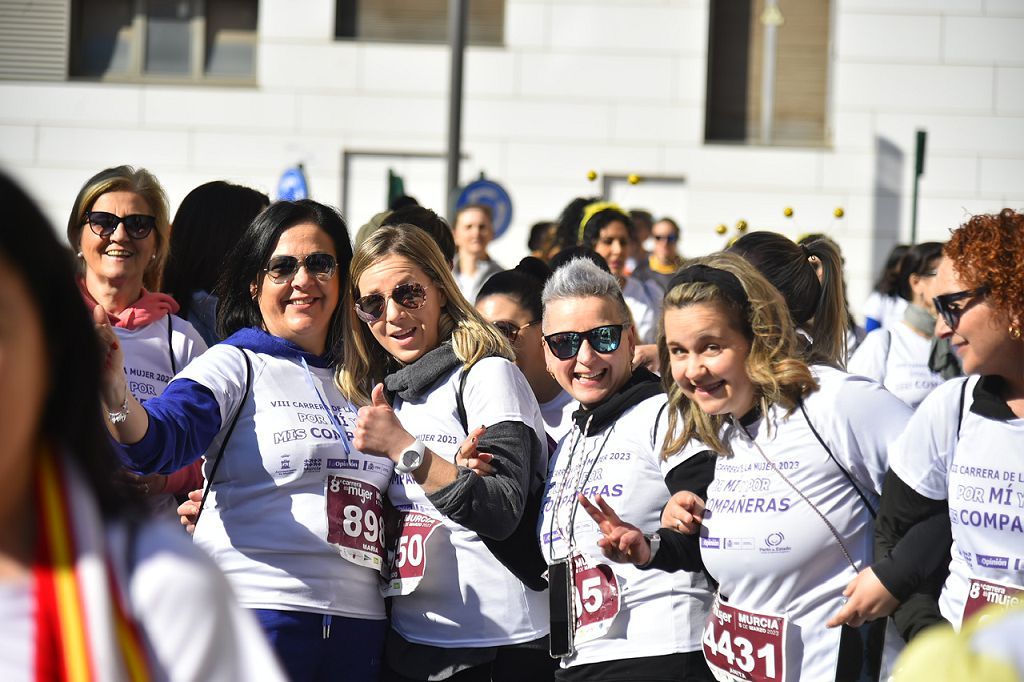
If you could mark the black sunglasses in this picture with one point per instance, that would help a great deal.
(511, 330)
(104, 224)
(951, 313)
(282, 269)
(670, 238)
(370, 308)
(603, 339)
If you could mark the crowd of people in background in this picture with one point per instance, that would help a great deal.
(396, 459)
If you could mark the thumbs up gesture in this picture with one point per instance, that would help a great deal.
(378, 431)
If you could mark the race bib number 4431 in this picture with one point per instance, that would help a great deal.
(745, 645)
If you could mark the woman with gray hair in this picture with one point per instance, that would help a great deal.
(609, 620)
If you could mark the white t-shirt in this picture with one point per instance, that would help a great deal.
(660, 613)
(981, 473)
(888, 310)
(466, 598)
(190, 621)
(147, 358)
(265, 522)
(557, 414)
(644, 301)
(766, 545)
(897, 358)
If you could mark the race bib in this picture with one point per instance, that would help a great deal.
(596, 598)
(409, 562)
(355, 521)
(744, 645)
(983, 593)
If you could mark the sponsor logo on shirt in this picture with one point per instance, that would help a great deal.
(993, 561)
(342, 464)
(774, 543)
(711, 543)
(379, 467)
(738, 543)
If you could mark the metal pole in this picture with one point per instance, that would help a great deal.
(771, 19)
(919, 149)
(457, 44)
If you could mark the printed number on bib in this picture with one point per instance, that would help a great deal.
(983, 593)
(595, 598)
(410, 554)
(744, 645)
(355, 521)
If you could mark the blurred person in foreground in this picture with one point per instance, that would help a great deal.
(87, 591)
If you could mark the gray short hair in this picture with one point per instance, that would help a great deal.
(582, 278)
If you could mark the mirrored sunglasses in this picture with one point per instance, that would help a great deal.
(604, 339)
(104, 224)
(282, 269)
(370, 308)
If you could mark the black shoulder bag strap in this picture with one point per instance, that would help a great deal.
(960, 412)
(520, 552)
(849, 477)
(227, 436)
(170, 346)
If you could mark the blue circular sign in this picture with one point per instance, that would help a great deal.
(492, 195)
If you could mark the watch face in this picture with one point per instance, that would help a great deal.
(410, 458)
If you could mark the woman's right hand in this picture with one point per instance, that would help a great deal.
(684, 512)
(622, 542)
(114, 385)
(189, 510)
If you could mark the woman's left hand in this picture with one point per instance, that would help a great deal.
(867, 599)
(378, 431)
(621, 542)
(646, 356)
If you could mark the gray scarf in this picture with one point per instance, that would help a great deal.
(941, 358)
(413, 382)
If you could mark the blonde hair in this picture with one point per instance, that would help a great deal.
(366, 363)
(125, 179)
(773, 363)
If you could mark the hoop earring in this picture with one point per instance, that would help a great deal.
(1014, 332)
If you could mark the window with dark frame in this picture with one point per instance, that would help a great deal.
(164, 40)
(737, 68)
(416, 21)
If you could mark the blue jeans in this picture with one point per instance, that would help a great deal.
(312, 647)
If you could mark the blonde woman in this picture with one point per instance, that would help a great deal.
(789, 515)
(426, 365)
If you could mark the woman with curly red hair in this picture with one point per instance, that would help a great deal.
(958, 469)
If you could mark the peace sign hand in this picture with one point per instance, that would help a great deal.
(622, 542)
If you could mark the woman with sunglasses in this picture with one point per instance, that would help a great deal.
(427, 368)
(120, 231)
(510, 300)
(961, 458)
(294, 513)
(664, 259)
(627, 624)
(788, 517)
(900, 357)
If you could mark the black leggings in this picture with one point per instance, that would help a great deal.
(512, 664)
(684, 667)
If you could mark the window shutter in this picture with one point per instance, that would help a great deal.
(34, 39)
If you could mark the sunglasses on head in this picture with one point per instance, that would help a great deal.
(949, 306)
(104, 224)
(282, 269)
(670, 238)
(603, 339)
(370, 308)
(511, 330)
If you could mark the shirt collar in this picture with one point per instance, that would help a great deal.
(988, 401)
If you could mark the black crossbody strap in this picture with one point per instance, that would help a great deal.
(170, 346)
(460, 405)
(227, 436)
(849, 477)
